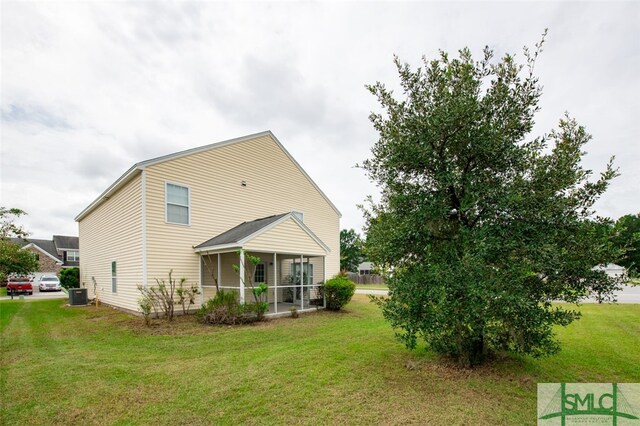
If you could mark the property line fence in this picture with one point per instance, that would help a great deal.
(366, 279)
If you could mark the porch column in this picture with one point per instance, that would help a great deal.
(301, 282)
(241, 276)
(275, 282)
(219, 271)
(200, 279)
(324, 280)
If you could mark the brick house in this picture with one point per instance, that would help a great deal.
(53, 255)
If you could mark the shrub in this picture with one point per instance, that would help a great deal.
(70, 278)
(225, 308)
(186, 296)
(338, 291)
(161, 298)
(146, 305)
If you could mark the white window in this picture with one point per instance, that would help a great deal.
(177, 204)
(73, 256)
(260, 276)
(299, 215)
(114, 279)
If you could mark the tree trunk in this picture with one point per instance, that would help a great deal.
(473, 352)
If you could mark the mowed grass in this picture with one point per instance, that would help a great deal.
(62, 365)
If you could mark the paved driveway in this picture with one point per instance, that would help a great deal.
(38, 295)
(372, 291)
(628, 294)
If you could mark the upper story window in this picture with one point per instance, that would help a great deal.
(177, 198)
(73, 256)
(299, 215)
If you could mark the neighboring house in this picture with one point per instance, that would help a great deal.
(365, 268)
(68, 249)
(611, 269)
(53, 255)
(366, 274)
(192, 211)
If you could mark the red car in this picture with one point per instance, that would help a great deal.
(17, 285)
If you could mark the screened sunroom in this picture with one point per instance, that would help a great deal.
(289, 259)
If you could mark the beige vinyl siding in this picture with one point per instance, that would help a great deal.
(286, 237)
(219, 202)
(113, 232)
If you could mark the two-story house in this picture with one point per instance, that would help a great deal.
(52, 255)
(191, 212)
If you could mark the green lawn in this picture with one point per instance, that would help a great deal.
(63, 365)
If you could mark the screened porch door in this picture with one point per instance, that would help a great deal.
(307, 279)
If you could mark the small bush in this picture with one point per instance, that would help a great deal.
(338, 290)
(70, 278)
(225, 308)
(146, 305)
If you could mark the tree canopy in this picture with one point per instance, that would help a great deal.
(627, 238)
(350, 250)
(482, 225)
(13, 259)
(8, 227)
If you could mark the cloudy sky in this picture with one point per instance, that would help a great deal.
(88, 89)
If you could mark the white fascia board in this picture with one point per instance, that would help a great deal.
(293, 160)
(41, 250)
(129, 174)
(220, 248)
(311, 234)
(122, 180)
(278, 222)
(264, 229)
(199, 149)
(239, 140)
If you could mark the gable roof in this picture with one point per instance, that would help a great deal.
(137, 168)
(240, 234)
(45, 246)
(64, 242)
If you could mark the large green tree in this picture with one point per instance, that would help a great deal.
(482, 225)
(350, 250)
(627, 238)
(13, 259)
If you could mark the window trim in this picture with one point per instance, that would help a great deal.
(166, 203)
(264, 273)
(114, 277)
(76, 256)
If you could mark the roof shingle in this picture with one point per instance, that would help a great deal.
(66, 242)
(241, 231)
(46, 245)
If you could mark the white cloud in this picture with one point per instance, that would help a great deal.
(88, 89)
